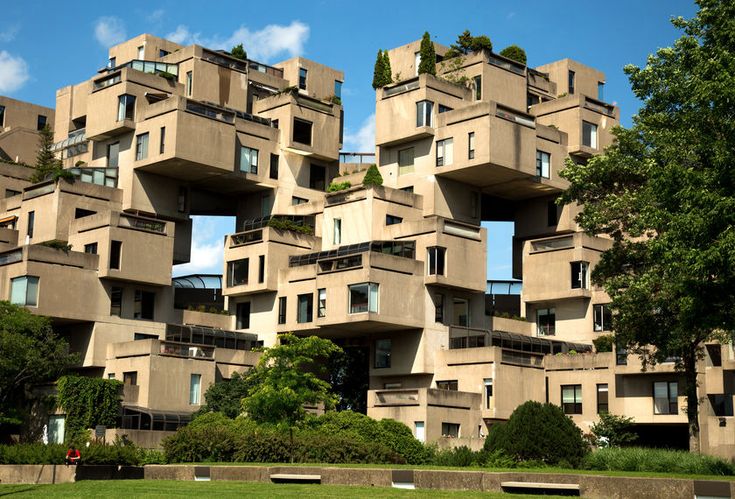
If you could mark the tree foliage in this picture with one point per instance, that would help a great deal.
(428, 56)
(382, 72)
(31, 354)
(613, 431)
(88, 402)
(372, 177)
(239, 52)
(515, 53)
(226, 396)
(665, 194)
(387, 71)
(46, 162)
(287, 377)
(466, 44)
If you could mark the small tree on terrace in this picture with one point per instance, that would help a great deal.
(46, 162)
(428, 56)
(239, 52)
(514, 52)
(466, 43)
(382, 72)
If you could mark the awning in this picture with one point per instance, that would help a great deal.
(5, 221)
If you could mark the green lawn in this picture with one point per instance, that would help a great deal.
(163, 488)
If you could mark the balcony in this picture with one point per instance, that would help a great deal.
(424, 397)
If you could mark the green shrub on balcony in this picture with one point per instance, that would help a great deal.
(238, 52)
(428, 56)
(339, 186)
(604, 343)
(514, 52)
(372, 178)
(167, 76)
(287, 224)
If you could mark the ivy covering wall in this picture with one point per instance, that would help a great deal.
(88, 402)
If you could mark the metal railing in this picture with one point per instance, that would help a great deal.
(361, 158)
(148, 224)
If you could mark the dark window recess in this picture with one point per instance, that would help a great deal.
(81, 213)
(302, 78)
(115, 253)
(162, 145)
(243, 315)
(274, 166)
(602, 398)
(144, 305)
(90, 248)
(144, 336)
(181, 201)
(436, 257)
(130, 378)
(443, 108)
(602, 317)
(439, 308)
(261, 268)
(317, 177)
(579, 275)
(571, 82)
(41, 122)
(571, 399)
(31, 223)
(552, 214)
(382, 353)
(2, 116)
(721, 404)
(392, 220)
(116, 295)
(451, 385)
(305, 310)
(715, 354)
(282, 310)
(10, 192)
(302, 131)
(408, 189)
(237, 272)
(341, 125)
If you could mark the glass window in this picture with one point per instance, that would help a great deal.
(274, 166)
(40, 122)
(302, 78)
(665, 395)
(602, 317)
(130, 378)
(450, 430)
(237, 272)
(444, 152)
(141, 52)
(112, 63)
(488, 382)
(248, 160)
(392, 220)
(24, 291)
(90, 248)
(546, 321)
(580, 275)
(195, 389)
(338, 89)
(116, 295)
(543, 164)
(602, 398)
(382, 353)
(571, 399)
(126, 107)
(162, 144)
(261, 268)
(451, 385)
(31, 223)
(436, 257)
(424, 113)
(115, 254)
(282, 310)
(144, 305)
(471, 145)
(322, 303)
(589, 134)
(189, 83)
(243, 315)
(601, 90)
(141, 146)
(113, 154)
(295, 200)
(478, 87)
(363, 297)
(305, 310)
(405, 157)
(419, 431)
(460, 312)
(416, 62)
(181, 199)
(2, 116)
(302, 131)
(570, 81)
(337, 239)
(163, 53)
(439, 307)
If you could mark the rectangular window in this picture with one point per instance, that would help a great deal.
(478, 87)
(471, 145)
(302, 78)
(382, 353)
(488, 382)
(274, 166)
(416, 62)
(130, 378)
(141, 52)
(571, 399)
(392, 220)
(237, 272)
(115, 254)
(125, 107)
(195, 389)
(543, 164)
(460, 312)
(317, 177)
(162, 144)
(90, 248)
(589, 134)
(112, 63)
(243, 315)
(113, 154)
(439, 308)
(444, 109)
(189, 83)
(621, 356)
(436, 257)
(552, 214)
(450, 430)
(602, 318)
(282, 310)
(141, 146)
(363, 298)
(321, 303)
(444, 152)
(338, 89)
(116, 296)
(337, 239)
(163, 53)
(110, 375)
(601, 90)
(24, 291)
(602, 398)
(295, 200)
(261, 268)
(451, 385)
(580, 275)
(2, 116)
(248, 160)
(419, 431)
(570, 82)
(405, 157)
(302, 131)
(408, 189)
(40, 122)
(546, 321)
(144, 305)
(31, 223)
(424, 112)
(181, 199)
(665, 395)
(305, 310)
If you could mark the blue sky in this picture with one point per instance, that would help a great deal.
(47, 45)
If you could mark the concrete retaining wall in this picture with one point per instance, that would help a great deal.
(36, 473)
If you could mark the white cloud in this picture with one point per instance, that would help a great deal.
(8, 34)
(13, 72)
(156, 15)
(364, 139)
(207, 250)
(262, 45)
(109, 31)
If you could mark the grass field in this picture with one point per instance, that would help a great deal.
(162, 488)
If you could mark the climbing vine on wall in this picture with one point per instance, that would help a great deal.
(88, 402)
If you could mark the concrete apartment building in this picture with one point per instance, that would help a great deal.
(165, 132)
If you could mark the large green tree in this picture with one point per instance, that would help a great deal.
(226, 396)
(428, 56)
(31, 354)
(665, 194)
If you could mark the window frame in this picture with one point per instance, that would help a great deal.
(321, 299)
(436, 260)
(302, 122)
(243, 311)
(402, 157)
(543, 170)
(30, 288)
(600, 403)
(249, 159)
(383, 348)
(232, 272)
(593, 136)
(603, 311)
(126, 107)
(550, 326)
(195, 389)
(115, 262)
(477, 80)
(580, 278)
(672, 405)
(576, 405)
(445, 152)
(308, 299)
(424, 113)
(372, 292)
(282, 309)
(303, 75)
(471, 145)
(141, 146)
(439, 301)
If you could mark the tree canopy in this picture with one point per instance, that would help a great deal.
(515, 53)
(466, 44)
(226, 396)
(428, 56)
(239, 52)
(665, 194)
(382, 72)
(287, 377)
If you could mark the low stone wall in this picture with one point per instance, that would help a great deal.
(36, 473)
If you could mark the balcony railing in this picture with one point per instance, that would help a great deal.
(404, 249)
(139, 223)
(361, 158)
(246, 238)
(151, 67)
(404, 87)
(99, 176)
(466, 337)
(223, 60)
(107, 81)
(515, 116)
(512, 66)
(11, 257)
(210, 111)
(264, 68)
(189, 351)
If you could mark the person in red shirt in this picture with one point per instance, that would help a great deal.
(72, 456)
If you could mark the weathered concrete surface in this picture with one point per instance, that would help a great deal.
(240, 473)
(169, 472)
(449, 480)
(36, 473)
